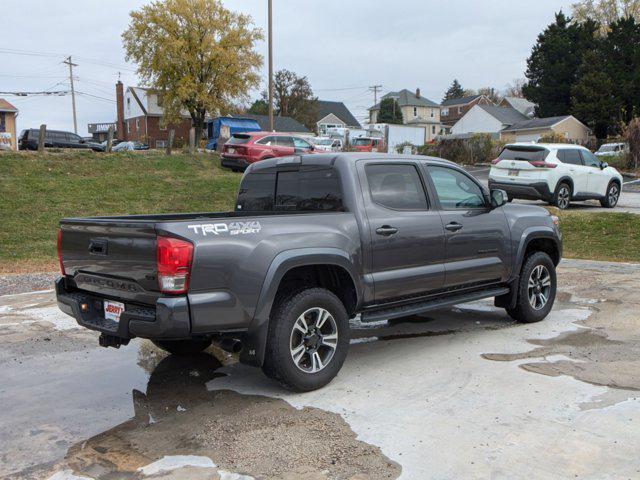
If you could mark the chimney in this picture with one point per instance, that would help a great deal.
(418, 92)
(120, 131)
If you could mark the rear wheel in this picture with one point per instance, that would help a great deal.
(613, 195)
(308, 340)
(562, 196)
(183, 348)
(536, 289)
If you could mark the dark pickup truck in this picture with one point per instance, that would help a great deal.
(314, 241)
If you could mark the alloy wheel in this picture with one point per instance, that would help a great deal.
(564, 196)
(313, 340)
(539, 287)
(614, 194)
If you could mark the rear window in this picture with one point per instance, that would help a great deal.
(238, 139)
(305, 191)
(526, 154)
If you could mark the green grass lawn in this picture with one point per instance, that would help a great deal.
(37, 191)
(601, 236)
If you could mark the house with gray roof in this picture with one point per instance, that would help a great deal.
(416, 110)
(453, 109)
(334, 115)
(531, 130)
(523, 105)
(487, 119)
(280, 124)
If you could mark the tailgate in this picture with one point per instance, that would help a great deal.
(113, 258)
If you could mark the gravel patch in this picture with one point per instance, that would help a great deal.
(26, 282)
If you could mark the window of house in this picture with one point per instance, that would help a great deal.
(128, 103)
(459, 110)
(128, 126)
(396, 186)
(161, 143)
(415, 111)
(433, 113)
(137, 124)
(445, 112)
(433, 129)
(161, 125)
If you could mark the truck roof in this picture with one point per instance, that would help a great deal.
(329, 159)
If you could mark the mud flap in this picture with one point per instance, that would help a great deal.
(508, 300)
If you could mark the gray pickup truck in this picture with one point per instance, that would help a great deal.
(314, 241)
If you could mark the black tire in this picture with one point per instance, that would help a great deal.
(183, 348)
(279, 363)
(612, 196)
(562, 196)
(524, 310)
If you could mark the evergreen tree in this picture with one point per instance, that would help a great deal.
(389, 112)
(552, 68)
(621, 50)
(592, 100)
(259, 107)
(454, 91)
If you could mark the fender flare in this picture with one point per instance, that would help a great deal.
(565, 179)
(255, 338)
(528, 235)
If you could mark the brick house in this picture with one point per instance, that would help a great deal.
(455, 108)
(139, 116)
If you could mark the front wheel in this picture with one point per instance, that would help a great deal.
(613, 195)
(308, 340)
(536, 289)
(183, 348)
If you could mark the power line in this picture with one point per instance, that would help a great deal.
(375, 89)
(73, 94)
(85, 94)
(95, 61)
(337, 89)
(44, 92)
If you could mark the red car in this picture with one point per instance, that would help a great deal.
(368, 144)
(243, 149)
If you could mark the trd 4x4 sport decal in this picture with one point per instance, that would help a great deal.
(233, 228)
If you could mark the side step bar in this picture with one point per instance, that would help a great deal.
(430, 304)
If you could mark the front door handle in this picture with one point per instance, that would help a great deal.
(386, 230)
(453, 227)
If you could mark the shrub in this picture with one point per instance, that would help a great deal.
(553, 137)
(632, 136)
(479, 148)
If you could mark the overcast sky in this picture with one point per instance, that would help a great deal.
(342, 46)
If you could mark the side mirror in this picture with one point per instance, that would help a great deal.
(603, 165)
(498, 198)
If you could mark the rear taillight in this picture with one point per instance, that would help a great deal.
(60, 252)
(496, 161)
(542, 164)
(174, 257)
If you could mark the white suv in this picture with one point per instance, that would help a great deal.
(557, 174)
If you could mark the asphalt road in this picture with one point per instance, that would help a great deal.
(629, 199)
(460, 393)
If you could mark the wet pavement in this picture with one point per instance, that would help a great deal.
(460, 393)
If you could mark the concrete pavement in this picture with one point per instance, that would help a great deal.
(460, 393)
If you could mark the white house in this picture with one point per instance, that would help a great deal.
(487, 119)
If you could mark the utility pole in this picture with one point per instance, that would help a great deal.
(73, 93)
(271, 126)
(374, 89)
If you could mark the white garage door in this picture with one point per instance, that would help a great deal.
(532, 137)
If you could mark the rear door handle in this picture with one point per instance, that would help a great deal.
(386, 230)
(453, 227)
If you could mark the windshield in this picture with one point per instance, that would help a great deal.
(608, 148)
(526, 154)
(362, 141)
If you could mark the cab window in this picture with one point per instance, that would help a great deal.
(455, 189)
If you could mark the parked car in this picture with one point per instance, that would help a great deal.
(130, 146)
(243, 149)
(557, 174)
(368, 144)
(326, 144)
(54, 139)
(314, 241)
(612, 150)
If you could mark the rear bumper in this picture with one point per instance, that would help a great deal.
(234, 161)
(528, 191)
(169, 319)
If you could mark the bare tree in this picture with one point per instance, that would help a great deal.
(605, 12)
(514, 88)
